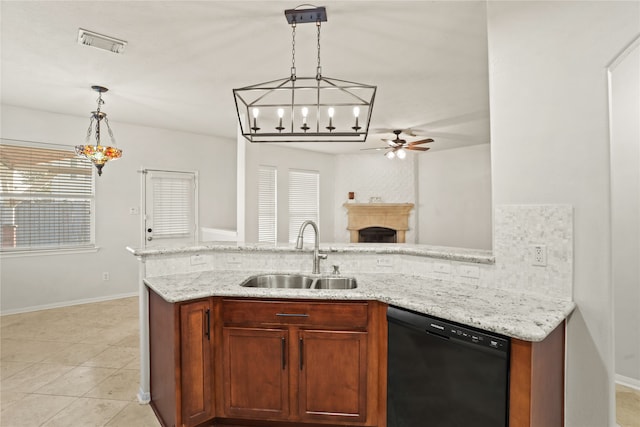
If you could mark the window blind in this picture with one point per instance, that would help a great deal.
(173, 205)
(267, 204)
(46, 197)
(304, 196)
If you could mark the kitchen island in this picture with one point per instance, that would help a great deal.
(442, 282)
(525, 317)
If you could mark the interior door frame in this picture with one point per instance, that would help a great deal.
(143, 203)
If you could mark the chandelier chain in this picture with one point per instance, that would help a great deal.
(98, 131)
(86, 140)
(293, 51)
(319, 69)
(106, 121)
(99, 101)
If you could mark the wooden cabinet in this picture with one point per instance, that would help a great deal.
(196, 373)
(536, 381)
(250, 362)
(180, 343)
(274, 362)
(304, 361)
(255, 373)
(333, 375)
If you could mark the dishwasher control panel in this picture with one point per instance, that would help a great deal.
(453, 331)
(449, 330)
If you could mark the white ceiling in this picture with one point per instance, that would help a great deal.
(183, 58)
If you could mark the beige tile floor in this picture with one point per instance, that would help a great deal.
(72, 366)
(79, 366)
(627, 406)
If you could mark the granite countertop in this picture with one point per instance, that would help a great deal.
(440, 252)
(517, 315)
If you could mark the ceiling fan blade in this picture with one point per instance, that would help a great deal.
(381, 130)
(418, 148)
(375, 148)
(422, 141)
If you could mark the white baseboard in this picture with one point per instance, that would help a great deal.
(628, 381)
(67, 303)
(144, 397)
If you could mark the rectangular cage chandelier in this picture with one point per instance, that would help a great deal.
(305, 109)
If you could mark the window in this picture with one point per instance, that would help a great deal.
(46, 197)
(304, 195)
(267, 204)
(170, 207)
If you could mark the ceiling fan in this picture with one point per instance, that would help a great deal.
(397, 147)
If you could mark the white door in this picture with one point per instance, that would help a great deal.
(170, 208)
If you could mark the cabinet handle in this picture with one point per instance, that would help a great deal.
(207, 324)
(292, 315)
(284, 353)
(301, 354)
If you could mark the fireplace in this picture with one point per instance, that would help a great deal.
(378, 222)
(377, 235)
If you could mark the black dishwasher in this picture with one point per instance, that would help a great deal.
(442, 374)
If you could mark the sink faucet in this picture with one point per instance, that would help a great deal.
(317, 256)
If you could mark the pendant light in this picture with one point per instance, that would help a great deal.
(299, 109)
(99, 154)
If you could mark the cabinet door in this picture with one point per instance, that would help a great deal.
(196, 379)
(333, 375)
(255, 371)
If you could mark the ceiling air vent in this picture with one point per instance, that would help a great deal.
(100, 41)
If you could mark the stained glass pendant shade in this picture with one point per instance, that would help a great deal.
(99, 154)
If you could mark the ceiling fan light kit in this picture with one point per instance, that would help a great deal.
(398, 147)
(305, 109)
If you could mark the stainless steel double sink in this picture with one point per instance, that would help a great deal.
(299, 281)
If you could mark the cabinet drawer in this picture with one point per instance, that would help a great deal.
(340, 314)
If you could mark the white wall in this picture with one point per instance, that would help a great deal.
(454, 197)
(625, 212)
(284, 158)
(373, 175)
(550, 144)
(455, 182)
(29, 282)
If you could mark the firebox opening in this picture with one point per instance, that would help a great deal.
(377, 235)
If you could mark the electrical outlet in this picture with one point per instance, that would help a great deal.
(198, 259)
(539, 255)
(471, 271)
(233, 260)
(134, 211)
(105, 276)
(442, 268)
(384, 262)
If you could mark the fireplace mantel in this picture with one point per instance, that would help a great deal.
(388, 215)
